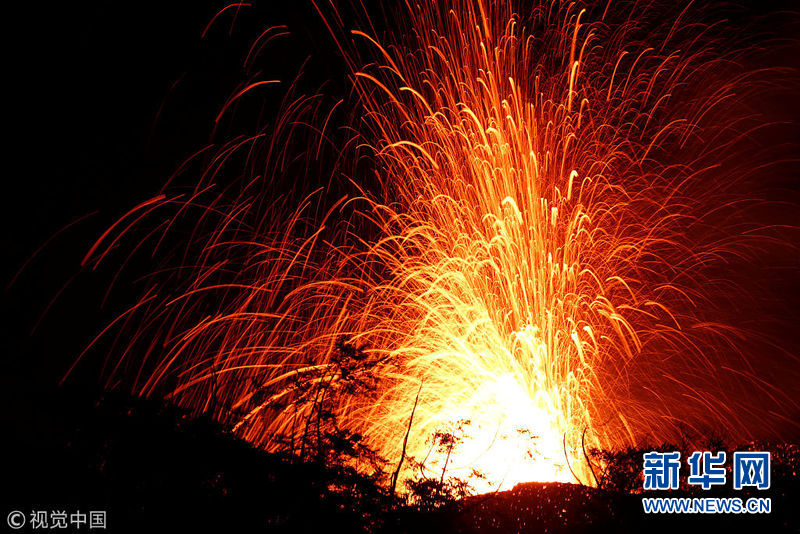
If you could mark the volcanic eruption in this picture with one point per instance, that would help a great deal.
(525, 239)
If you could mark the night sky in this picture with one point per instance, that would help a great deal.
(110, 99)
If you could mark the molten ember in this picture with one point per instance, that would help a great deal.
(530, 264)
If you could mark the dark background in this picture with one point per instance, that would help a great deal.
(104, 100)
(110, 99)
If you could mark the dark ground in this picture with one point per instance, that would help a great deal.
(155, 469)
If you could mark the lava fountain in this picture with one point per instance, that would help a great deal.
(528, 265)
